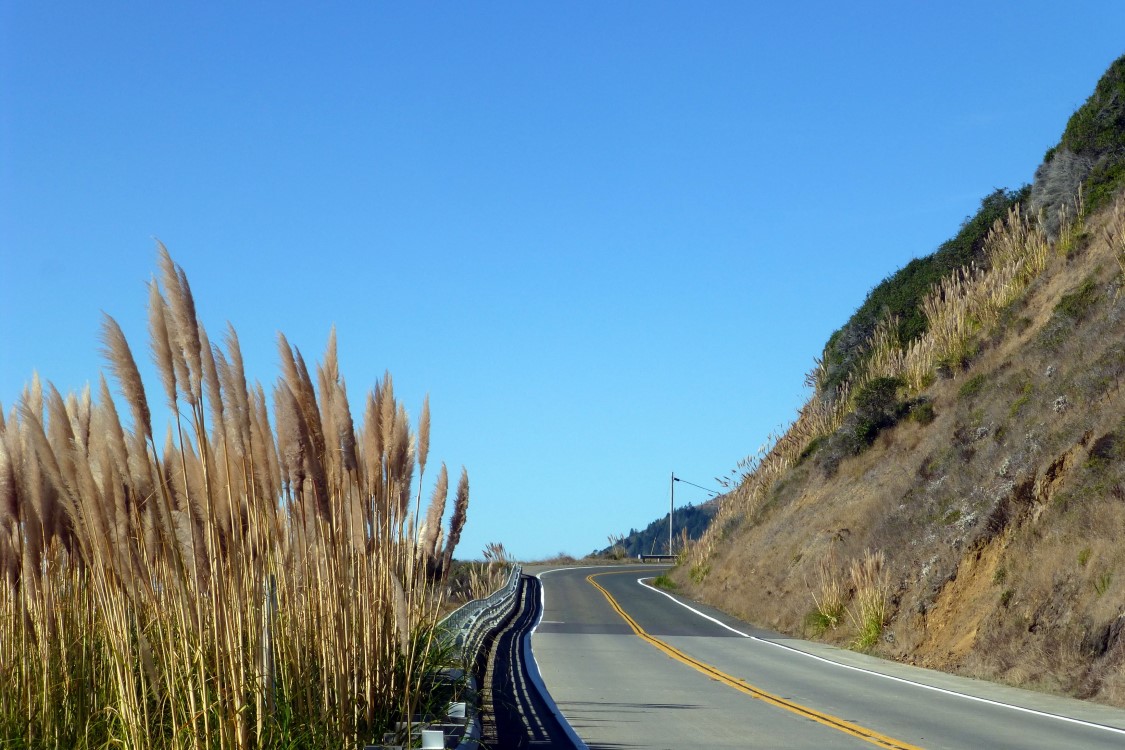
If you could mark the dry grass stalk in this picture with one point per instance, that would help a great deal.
(457, 522)
(1114, 235)
(829, 596)
(490, 575)
(757, 474)
(239, 587)
(429, 544)
(871, 585)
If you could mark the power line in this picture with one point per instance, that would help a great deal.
(693, 484)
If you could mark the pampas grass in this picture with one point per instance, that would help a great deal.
(457, 521)
(871, 586)
(430, 532)
(829, 597)
(1114, 235)
(487, 577)
(234, 585)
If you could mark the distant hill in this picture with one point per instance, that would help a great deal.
(653, 539)
(953, 494)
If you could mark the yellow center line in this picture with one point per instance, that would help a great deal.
(828, 720)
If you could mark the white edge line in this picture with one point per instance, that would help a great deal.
(922, 685)
(532, 666)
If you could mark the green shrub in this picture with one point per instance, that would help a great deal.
(1107, 449)
(1072, 308)
(1077, 303)
(922, 411)
(972, 386)
(1018, 404)
(1097, 130)
(1026, 389)
(1105, 180)
(699, 573)
(662, 581)
(817, 623)
(812, 447)
(877, 407)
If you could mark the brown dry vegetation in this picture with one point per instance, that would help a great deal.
(252, 579)
(999, 509)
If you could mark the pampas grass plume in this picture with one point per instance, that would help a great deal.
(457, 521)
(124, 368)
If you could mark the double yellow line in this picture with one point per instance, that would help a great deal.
(828, 720)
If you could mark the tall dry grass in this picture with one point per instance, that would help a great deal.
(492, 573)
(1114, 235)
(958, 309)
(756, 475)
(965, 303)
(871, 587)
(248, 579)
(829, 596)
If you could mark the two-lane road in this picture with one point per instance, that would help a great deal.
(631, 667)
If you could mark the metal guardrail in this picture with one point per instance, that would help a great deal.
(470, 625)
(466, 629)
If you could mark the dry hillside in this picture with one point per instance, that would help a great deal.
(977, 466)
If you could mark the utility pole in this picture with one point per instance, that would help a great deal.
(671, 508)
(672, 502)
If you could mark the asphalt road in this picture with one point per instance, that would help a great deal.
(672, 678)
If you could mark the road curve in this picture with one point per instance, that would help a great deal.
(633, 667)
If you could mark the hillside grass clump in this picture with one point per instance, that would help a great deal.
(1076, 304)
(1114, 236)
(1073, 307)
(829, 599)
(253, 578)
(972, 386)
(871, 584)
(922, 411)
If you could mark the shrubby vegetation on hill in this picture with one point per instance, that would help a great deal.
(1089, 160)
(900, 295)
(1091, 150)
(689, 520)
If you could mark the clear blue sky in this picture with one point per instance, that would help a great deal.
(608, 239)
